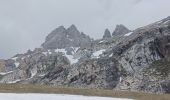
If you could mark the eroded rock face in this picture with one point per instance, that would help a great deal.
(62, 38)
(144, 55)
(166, 86)
(162, 46)
(97, 73)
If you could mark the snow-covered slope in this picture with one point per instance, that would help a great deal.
(10, 96)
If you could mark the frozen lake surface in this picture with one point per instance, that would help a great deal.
(12, 96)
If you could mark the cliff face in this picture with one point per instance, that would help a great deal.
(143, 55)
(163, 46)
(132, 60)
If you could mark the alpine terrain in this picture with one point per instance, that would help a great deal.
(133, 60)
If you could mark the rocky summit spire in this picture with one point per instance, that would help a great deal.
(73, 32)
(73, 27)
(57, 31)
(107, 34)
(63, 38)
(120, 29)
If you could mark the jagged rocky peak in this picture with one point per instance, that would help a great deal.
(62, 38)
(60, 30)
(72, 28)
(120, 29)
(107, 34)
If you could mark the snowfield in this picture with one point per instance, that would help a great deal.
(12, 96)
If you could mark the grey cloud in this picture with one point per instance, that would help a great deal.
(107, 4)
(25, 23)
(137, 1)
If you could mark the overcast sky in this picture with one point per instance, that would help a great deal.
(24, 24)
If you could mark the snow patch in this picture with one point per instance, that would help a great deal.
(159, 22)
(70, 57)
(41, 75)
(76, 49)
(14, 58)
(102, 41)
(33, 72)
(45, 53)
(49, 52)
(120, 80)
(10, 82)
(5, 73)
(111, 55)
(17, 64)
(98, 53)
(60, 50)
(128, 34)
(33, 96)
(23, 58)
(166, 21)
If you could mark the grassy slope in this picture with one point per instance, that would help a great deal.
(20, 88)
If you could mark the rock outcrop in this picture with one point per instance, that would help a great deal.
(63, 38)
(120, 29)
(143, 55)
(107, 34)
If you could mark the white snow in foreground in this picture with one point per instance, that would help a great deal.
(11, 96)
(98, 53)
(128, 34)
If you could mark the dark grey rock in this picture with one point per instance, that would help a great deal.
(107, 34)
(62, 38)
(120, 29)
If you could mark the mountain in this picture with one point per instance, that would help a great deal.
(137, 60)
